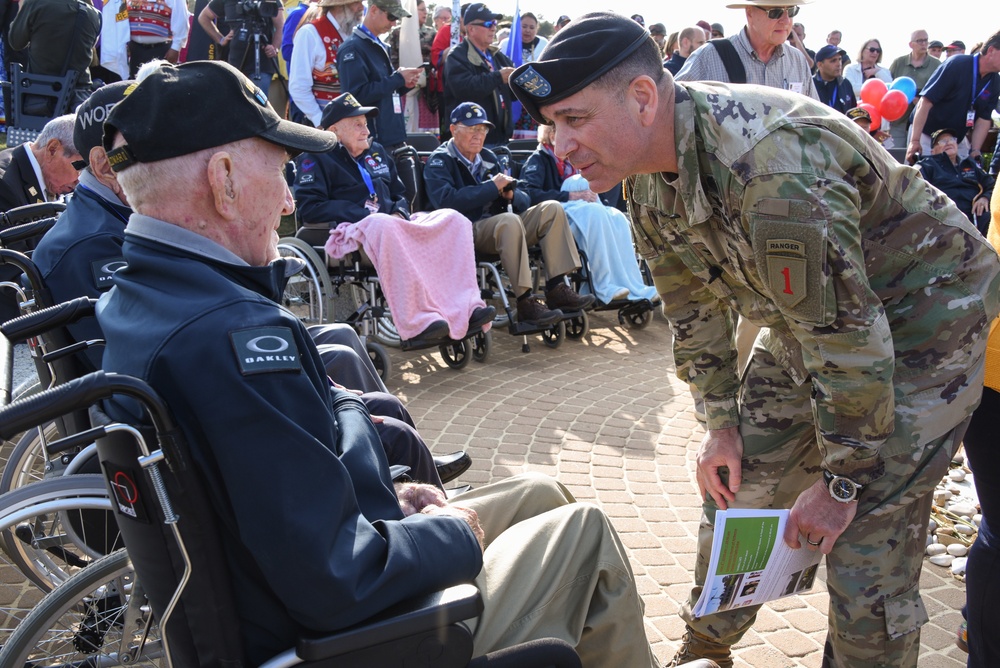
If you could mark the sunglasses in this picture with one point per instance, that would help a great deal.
(485, 24)
(391, 17)
(778, 12)
(874, 49)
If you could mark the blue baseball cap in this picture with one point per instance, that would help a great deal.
(470, 113)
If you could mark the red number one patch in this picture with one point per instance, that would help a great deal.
(786, 272)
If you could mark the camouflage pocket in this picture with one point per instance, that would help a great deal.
(904, 614)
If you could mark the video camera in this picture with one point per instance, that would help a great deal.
(255, 9)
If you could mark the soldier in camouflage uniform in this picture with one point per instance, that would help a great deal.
(875, 290)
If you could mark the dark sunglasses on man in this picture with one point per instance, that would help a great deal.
(777, 12)
(484, 24)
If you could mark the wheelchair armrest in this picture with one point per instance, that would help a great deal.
(416, 615)
(31, 231)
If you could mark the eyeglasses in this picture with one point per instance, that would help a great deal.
(484, 24)
(874, 49)
(391, 17)
(920, 41)
(946, 140)
(777, 12)
(79, 165)
(481, 129)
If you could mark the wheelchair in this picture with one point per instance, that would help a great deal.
(635, 313)
(172, 603)
(311, 295)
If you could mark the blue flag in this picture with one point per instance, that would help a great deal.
(515, 53)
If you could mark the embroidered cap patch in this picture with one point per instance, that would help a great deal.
(534, 83)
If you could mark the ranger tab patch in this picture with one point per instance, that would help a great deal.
(786, 270)
(265, 349)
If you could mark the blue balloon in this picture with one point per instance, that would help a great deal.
(907, 85)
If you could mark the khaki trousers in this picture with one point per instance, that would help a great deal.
(509, 235)
(555, 568)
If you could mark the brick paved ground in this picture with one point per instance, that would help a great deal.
(608, 418)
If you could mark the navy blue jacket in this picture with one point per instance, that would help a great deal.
(367, 74)
(450, 185)
(674, 63)
(838, 94)
(329, 187)
(541, 180)
(310, 520)
(80, 254)
(468, 78)
(962, 182)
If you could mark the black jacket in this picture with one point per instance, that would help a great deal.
(18, 184)
(450, 185)
(367, 74)
(845, 99)
(329, 187)
(962, 182)
(468, 78)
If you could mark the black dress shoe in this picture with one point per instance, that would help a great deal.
(480, 317)
(436, 330)
(451, 466)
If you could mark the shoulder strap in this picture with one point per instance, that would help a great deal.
(730, 60)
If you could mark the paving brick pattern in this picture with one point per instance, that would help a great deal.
(607, 416)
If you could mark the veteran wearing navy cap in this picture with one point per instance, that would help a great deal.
(761, 202)
(463, 175)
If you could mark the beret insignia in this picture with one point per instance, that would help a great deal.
(534, 83)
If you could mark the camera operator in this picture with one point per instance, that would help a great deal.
(366, 72)
(254, 37)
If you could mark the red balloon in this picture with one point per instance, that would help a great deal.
(893, 105)
(874, 113)
(873, 90)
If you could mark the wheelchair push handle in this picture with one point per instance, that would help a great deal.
(81, 393)
(39, 322)
(29, 212)
(25, 231)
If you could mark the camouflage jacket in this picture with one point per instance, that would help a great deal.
(874, 287)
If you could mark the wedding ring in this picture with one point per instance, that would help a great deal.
(816, 544)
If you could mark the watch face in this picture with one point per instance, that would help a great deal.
(842, 489)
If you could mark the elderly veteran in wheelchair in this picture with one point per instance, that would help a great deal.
(318, 537)
(351, 198)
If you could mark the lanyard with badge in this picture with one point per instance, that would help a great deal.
(970, 118)
(397, 103)
(488, 59)
(372, 203)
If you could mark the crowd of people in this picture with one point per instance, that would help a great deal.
(830, 310)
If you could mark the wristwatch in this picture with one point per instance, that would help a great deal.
(842, 488)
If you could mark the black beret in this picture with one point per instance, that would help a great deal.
(577, 56)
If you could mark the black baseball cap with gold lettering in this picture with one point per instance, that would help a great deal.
(182, 109)
(578, 55)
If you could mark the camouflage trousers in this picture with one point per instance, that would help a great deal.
(873, 571)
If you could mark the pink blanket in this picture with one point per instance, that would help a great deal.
(426, 265)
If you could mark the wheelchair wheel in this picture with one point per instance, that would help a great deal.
(307, 293)
(481, 345)
(379, 358)
(26, 462)
(492, 296)
(55, 527)
(457, 353)
(638, 319)
(553, 336)
(83, 623)
(578, 327)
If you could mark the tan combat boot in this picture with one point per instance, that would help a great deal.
(694, 647)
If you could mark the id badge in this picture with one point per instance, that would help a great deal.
(795, 86)
(372, 206)
(397, 105)
(970, 119)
